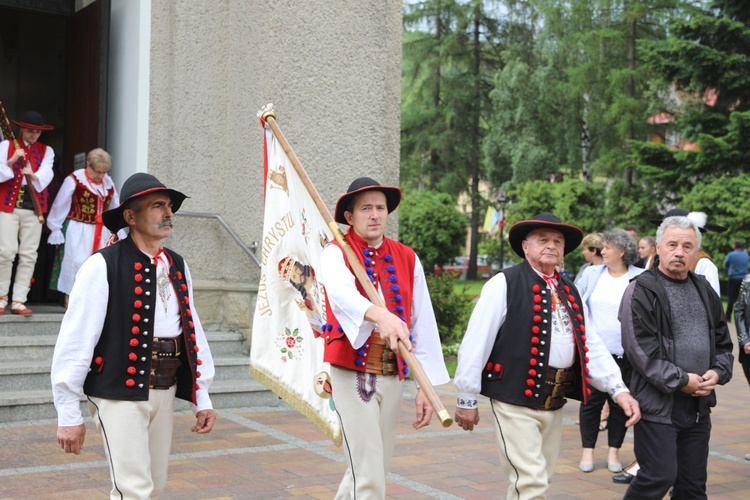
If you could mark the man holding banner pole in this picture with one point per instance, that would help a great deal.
(361, 338)
(25, 173)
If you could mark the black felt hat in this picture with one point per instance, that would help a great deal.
(32, 121)
(518, 232)
(136, 185)
(392, 196)
(698, 218)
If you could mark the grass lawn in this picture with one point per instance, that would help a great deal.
(450, 364)
(468, 287)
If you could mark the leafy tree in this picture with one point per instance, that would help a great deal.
(452, 310)
(574, 201)
(570, 100)
(445, 94)
(430, 223)
(631, 204)
(726, 200)
(705, 63)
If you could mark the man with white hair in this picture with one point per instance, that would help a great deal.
(676, 339)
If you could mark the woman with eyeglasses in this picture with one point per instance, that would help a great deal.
(75, 218)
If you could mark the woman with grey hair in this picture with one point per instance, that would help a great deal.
(602, 287)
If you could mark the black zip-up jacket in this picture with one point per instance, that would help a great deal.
(648, 341)
(742, 315)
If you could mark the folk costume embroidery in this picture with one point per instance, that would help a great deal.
(388, 266)
(367, 384)
(163, 283)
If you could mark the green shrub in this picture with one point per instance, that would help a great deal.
(452, 310)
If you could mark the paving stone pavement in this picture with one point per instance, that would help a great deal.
(274, 452)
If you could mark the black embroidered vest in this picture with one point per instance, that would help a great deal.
(517, 368)
(121, 366)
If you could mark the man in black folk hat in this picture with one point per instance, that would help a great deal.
(528, 361)
(361, 338)
(20, 229)
(131, 341)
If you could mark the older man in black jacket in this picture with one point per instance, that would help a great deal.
(676, 339)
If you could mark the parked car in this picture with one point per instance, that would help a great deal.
(458, 266)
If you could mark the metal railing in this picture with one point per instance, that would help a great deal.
(248, 250)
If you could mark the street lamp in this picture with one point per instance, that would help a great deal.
(502, 200)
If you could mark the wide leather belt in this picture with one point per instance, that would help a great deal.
(381, 360)
(165, 362)
(24, 199)
(559, 382)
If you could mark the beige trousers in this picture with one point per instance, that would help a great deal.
(137, 439)
(20, 232)
(369, 429)
(529, 442)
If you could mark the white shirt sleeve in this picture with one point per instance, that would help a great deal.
(206, 368)
(349, 306)
(708, 269)
(476, 346)
(115, 195)
(6, 172)
(60, 210)
(604, 373)
(45, 173)
(80, 331)
(426, 345)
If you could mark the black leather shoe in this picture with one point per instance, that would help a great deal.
(622, 478)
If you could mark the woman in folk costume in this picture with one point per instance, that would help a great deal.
(76, 216)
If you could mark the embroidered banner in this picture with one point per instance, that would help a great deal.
(286, 356)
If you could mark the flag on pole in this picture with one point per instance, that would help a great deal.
(286, 356)
(491, 220)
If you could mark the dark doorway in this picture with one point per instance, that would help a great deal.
(55, 61)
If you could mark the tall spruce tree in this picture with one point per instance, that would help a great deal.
(705, 70)
(449, 49)
(569, 101)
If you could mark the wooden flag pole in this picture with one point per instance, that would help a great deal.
(359, 271)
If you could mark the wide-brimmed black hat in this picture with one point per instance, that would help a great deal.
(138, 185)
(32, 121)
(698, 218)
(518, 232)
(392, 196)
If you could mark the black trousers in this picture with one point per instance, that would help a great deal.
(675, 453)
(733, 292)
(745, 362)
(589, 416)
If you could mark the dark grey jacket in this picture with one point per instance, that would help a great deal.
(649, 345)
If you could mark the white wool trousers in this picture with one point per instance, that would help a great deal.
(529, 442)
(137, 437)
(20, 232)
(368, 407)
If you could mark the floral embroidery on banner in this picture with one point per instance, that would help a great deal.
(290, 345)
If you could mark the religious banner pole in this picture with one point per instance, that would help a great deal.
(8, 134)
(416, 369)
